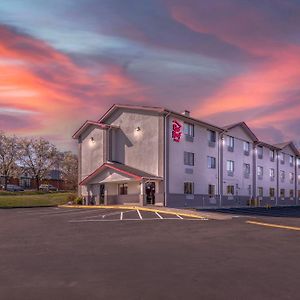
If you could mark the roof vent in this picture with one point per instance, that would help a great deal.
(186, 113)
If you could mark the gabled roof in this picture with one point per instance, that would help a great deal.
(88, 123)
(159, 110)
(245, 127)
(121, 168)
(281, 146)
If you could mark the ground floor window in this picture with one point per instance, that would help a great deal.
(260, 191)
(272, 192)
(291, 193)
(189, 187)
(282, 193)
(123, 189)
(211, 190)
(230, 189)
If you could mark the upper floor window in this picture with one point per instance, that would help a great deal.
(211, 162)
(272, 155)
(272, 174)
(246, 148)
(189, 129)
(188, 158)
(260, 172)
(260, 152)
(189, 188)
(282, 176)
(212, 137)
(298, 162)
(230, 143)
(291, 177)
(291, 160)
(282, 158)
(230, 167)
(246, 170)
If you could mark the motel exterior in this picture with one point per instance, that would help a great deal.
(154, 156)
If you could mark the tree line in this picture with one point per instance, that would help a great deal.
(37, 157)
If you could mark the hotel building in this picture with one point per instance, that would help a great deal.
(154, 156)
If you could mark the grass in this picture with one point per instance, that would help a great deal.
(49, 199)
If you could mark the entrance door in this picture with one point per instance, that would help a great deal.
(150, 192)
(101, 196)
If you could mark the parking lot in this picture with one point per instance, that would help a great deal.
(64, 253)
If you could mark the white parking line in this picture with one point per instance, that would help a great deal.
(180, 217)
(139, 214)
(159, 215)
(121, 216)
(118, 220)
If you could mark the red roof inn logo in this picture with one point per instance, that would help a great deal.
(176, 131)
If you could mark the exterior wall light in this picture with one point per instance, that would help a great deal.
(93, 140)
(138, 128)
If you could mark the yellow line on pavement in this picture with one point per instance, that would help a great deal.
(274, 225)
(135, 208)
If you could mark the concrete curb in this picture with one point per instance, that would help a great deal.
(162, 211)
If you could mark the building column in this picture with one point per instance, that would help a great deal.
(142, 193)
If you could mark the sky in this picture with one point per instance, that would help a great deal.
(65, 61)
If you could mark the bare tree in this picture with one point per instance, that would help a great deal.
(69, 168)
(38, 156)
(9, 154)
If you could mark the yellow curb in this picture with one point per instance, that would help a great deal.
(134, 208)
(274, 225)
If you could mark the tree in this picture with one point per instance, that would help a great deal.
(38, 156)
(9, 154)
(69, 168)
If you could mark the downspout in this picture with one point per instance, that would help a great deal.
(220, 167)
(166, 161)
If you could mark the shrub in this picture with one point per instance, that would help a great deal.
(71, 198)
(78, 201)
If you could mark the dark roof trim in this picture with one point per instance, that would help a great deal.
(88, 123)
(124, 169)
(245, 127)
(281, 146)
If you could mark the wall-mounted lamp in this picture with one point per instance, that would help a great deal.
(93, 140)
(138, 129)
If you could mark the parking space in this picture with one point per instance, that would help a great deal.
(138, 254)
(102, 215)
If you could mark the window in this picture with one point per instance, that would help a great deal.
(189, 188)
(282, 158)
(260, 172)
(298, 179)
(260, 152)
(298, 162)
(282, 176)
(230, 189)
(298, 193)
(272, 192)
(282, 193)
(272, 155)
(230, 167)
(291, 177)
(272, 174)
(211, 190)
(230, 143)
(211, 162)
(291, 160)
(260, 191)
(212, 138)
(291, 193)
(188, 158)
(189, 129)
(246, 148)
(247, 170)
(123, 189)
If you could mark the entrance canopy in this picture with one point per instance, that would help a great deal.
(116, 172)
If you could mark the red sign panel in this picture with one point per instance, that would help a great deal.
(176, 131)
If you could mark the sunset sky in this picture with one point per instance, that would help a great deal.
(65, 61)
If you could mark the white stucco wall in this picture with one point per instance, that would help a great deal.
(141, 149)
(238, 180)
(202, 176)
